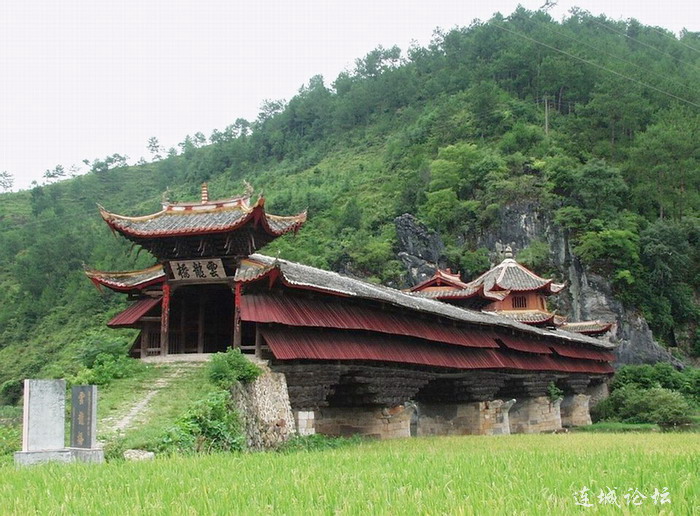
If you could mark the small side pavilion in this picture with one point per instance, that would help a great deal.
(508, 289)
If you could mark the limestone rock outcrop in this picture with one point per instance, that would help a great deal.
(421, 249)
(588, 296)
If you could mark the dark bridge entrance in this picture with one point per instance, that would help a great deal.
(201, 319)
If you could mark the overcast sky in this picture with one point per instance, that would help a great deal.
(82, 79)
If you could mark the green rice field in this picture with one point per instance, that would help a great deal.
(522, 474)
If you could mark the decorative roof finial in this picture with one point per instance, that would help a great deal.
(248, 188)
(508, 252)
(205, 193)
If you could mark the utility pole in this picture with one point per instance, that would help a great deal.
(546, 115)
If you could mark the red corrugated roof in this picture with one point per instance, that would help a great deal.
(316, 344)
(300, 311)
(132, 314)
(527, 346)
(576, 352)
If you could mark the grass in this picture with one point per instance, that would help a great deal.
(609, 426)
(186, 383)
(523, 474)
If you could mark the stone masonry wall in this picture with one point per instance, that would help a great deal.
(381, 423)
(478, 418)
(574, 410)
(535, 415)
(305, 422)
(265, 410)
(597, 393)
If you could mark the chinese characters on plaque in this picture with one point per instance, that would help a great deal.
(84, 416)
(198, 269)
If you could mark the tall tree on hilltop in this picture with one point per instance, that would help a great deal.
(6, 181)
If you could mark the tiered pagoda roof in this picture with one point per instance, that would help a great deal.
(494, 285)
(511, 277)
(535, 317)
(228, 227)
(448, 286)
(508, 277)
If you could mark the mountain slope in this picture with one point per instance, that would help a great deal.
(593, 121)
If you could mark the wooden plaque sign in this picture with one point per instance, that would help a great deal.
(198, 269)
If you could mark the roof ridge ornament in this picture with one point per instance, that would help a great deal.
(508, 252)
(248, 192)
(205, 193)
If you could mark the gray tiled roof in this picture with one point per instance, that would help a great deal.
(182, 222)
(303, 276)
(586, 326)
(124, 280)
(439, 293)
(217, 217)
(510, 275)
(526, 316)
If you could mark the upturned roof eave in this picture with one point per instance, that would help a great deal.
(255, 214)
(152, 276)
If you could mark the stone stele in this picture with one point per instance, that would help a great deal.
(43, 428)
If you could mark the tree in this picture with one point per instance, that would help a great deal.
(6, 181)
(55, 174)
(154, 148)
(599, 189)
(665, 165)
(378, 61)
(100, 166)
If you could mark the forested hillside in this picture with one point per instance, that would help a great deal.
(595, 121)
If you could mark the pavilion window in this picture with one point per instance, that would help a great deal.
(519, 302)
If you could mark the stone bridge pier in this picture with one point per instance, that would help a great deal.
(575, 405)
(535, 415)
(475, 418)
(345, 401)
(533, 412)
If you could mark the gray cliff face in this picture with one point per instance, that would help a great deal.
(420, 249)
(520, 224)
(587, 296)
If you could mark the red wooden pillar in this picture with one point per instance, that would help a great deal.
(165, 320)
(237, 317)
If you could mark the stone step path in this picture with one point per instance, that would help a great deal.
(135, 413)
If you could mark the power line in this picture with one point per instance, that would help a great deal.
(674, 39)
(596, 49)
(607, 27)
(632, 79)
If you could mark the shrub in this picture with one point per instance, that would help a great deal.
(662, 374)
(535, 256)
(97, 343)
(106, 368)
(225, 369)
(553, 392)
(10, 392)
(632, 404)
(10, 439)
(210, 424)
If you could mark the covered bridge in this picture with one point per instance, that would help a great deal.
(357, 357)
